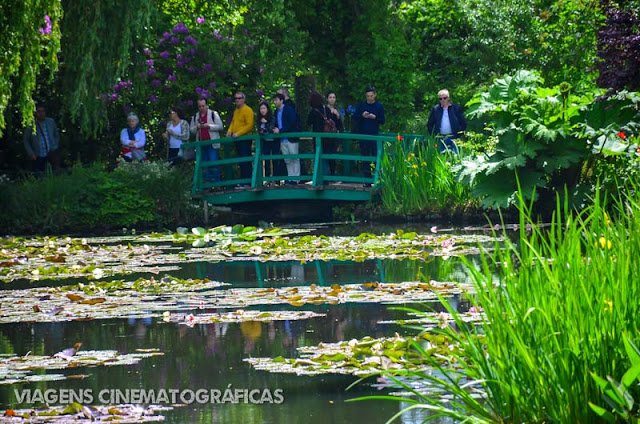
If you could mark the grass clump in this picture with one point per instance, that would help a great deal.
(559, 305)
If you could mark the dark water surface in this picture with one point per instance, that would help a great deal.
(211, 356)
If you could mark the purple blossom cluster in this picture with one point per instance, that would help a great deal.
(200, 20)
(46, 30)
(180, 28)
(121, 85)
(190, 40)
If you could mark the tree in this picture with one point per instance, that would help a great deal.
(619, 46)
(30, 40)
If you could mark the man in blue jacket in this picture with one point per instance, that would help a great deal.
(447, 120)
(369, 116)
(42, 145)
(286, 121)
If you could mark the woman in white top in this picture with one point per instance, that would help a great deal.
(133, 139)
(177, 133)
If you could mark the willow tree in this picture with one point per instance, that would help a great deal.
(30, 40)
(98, 41)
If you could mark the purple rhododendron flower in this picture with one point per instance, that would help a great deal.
(126, 109)
(155, 83)
(208, 67)
(179, 56)
(190, 103)
(151, 71)
(146, 51)
(245, 31)
(200, 20)
(217, 34)
(213, 85)
(227, 100)
(149, 62)
(171, 77)
(179, 64)
(192, 52)
(191, 69)
(180, 28)
(204, 94)
(153, 98)
(260, 93)
(198, 90)
(261, 70)
(230, 60)
(166, 35)
(114, 96)
(46, 30)
(164, 54)
(190, 40)
(174, 40)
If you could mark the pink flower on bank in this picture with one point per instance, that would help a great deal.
(434, 229)
(448, 243)
(475, 310)
(200, 20)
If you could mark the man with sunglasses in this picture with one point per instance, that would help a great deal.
(446, 120)
(242, 124)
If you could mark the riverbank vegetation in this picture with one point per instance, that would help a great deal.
(559, 325)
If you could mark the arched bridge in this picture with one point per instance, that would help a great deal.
(347, 183)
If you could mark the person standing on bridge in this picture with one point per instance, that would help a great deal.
(206, 125)
(286, 122)
(242, 124)
(447, 120)
(369, 116)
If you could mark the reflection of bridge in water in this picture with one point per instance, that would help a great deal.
(344, 185)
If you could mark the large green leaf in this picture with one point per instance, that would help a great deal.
(500, 189)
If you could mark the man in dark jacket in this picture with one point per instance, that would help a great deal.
(285, 121)
(447, 120)
(369, 116)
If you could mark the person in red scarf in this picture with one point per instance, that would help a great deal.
(206, 125)
(133, 140)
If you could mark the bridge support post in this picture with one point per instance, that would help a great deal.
(205, 207)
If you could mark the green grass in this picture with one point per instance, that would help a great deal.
(416, 179)
(558, 305)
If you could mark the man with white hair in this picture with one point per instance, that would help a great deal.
(447, 120)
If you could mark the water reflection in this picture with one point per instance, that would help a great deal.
(210, 356)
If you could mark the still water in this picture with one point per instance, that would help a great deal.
(211, 356)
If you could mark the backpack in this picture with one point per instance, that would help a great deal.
(329, 125)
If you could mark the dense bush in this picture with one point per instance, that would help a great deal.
(149, 194)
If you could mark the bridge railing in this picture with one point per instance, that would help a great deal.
(317, 177)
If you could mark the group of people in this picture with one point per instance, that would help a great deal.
(446, 120)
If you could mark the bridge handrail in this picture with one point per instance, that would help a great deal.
(317, 178)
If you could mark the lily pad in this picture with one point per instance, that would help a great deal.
(20, 368)
(239, 315)
(76, 414)
(363, 357)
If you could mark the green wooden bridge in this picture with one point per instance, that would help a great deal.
(346, 186)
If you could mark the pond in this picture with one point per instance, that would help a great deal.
(210, 356)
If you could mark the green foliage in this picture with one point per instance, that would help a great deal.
(90, 198)
(537, 138)
(415, 179)
(91, 60)
(29, 45)
(558, 303)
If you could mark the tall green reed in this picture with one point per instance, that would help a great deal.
(558, 303)
(415, 178)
